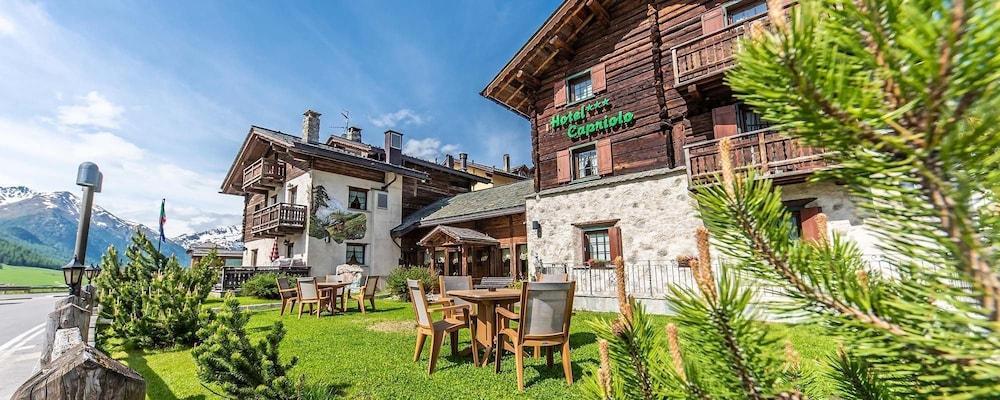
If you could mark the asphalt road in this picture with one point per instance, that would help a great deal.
(22, 332)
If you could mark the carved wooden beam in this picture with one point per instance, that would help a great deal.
(598, 10)
(527, 79)
(561, 45)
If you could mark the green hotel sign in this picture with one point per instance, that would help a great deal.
(578, 124)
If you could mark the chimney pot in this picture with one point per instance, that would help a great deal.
(449, 160)
(464, 157)
(353, 133)
(506, 163)
(310, 126)
(393, 147)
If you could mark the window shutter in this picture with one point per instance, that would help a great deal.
(713, 20)
(559, 90)
(615, 242)
(597, 80)
(810, 229)
(563, 174)
(604, 162)
(724, 120)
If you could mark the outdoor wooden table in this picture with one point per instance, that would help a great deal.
(486, 302)
(333, 287)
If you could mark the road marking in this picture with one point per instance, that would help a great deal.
(9, 353)
(19, 339)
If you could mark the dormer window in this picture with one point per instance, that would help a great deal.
(396, 140)
(580, 87)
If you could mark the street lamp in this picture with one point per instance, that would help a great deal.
(92, 272)
(90, 178)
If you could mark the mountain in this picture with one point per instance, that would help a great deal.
(45, 224)
(224, 237)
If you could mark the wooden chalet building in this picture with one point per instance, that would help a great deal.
(626, 101)
(325, 203)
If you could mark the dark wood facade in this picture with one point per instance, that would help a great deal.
(503, 259)
(662, 61)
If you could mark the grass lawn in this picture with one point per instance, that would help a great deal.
(30, 276)
(370, 357)
(216, 302)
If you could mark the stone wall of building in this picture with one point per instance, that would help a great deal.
(654, 211)
(845, 217)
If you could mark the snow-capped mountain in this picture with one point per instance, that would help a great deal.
(224, 237)
(45, 223)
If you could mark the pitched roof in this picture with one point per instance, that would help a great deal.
(459, 235)
(492, 202)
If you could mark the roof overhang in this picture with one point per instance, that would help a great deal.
(514, 86)
(402, 230)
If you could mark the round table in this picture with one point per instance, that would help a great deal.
(486, 302)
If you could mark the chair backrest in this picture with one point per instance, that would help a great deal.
(284, 285)
(546, 308)
(455, 283)
(371, 285)
(307, 288)
(416, 291)
(495, 282)
(553, 278)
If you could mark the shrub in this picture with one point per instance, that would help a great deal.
(263, 286)
(243, 370)
(152, 301)
(397, 279)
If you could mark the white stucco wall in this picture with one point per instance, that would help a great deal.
(655, 213)
(381, 251)
(265, 245)
(844, 217)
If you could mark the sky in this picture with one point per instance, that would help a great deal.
(162, 94)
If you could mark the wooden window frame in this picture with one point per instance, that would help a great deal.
(569, 88)
(351, 189)
(740, 5)
(573, 164)
(587, 256)
(253, 257)
(364, 252)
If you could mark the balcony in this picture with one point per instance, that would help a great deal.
(278, 219)
(708, 56)
(773, 155)
(263, 175)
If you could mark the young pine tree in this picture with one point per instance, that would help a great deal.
(903, 96)
(243, 370)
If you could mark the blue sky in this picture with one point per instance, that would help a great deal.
(161, 94)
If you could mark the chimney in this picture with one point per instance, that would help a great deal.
(310, 126)
(393, 147)
(506, 163)
(353, 133)
(464, 157)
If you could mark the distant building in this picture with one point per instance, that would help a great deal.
(497, 176)
(230, 258)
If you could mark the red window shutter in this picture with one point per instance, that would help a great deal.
(559, 90)
(810, 229)
(615, 241)
(563, 173)
(597, 80)
(724, 119)
(605, 166)
(713, 20)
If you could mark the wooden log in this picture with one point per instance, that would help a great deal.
(83, 372)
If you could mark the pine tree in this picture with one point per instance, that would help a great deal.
(903, 95)
(243, 370)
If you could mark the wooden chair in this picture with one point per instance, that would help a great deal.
(544, 319)
(288, 294)
(447, 283)
(309, 293)
(426, 326)
(367, 292)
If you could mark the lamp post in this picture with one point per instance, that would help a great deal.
(90, 178)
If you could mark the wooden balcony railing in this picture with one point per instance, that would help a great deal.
(263, 174)
(711, 54)
(278, 219)
(773, 155)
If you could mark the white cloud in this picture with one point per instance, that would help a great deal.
(399, 118)
(7, 26)
(96, 111)
(428, 148)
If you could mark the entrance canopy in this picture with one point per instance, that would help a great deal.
(444, 235)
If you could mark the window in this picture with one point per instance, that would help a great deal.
(253, 258)
(585, 162)
(597, 245)
(289, 246)
(747, 120)
(746, 11)
(355, 254)
(580, 87)
(357, 199)
(293, 194)
(274, 200)
(383, 200)
(395, 140)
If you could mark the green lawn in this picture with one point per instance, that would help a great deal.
(216, 302)
(31, 276)
(370, 357)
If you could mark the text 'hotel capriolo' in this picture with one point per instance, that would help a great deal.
(626, 101)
